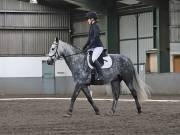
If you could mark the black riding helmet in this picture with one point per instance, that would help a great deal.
(91, 15)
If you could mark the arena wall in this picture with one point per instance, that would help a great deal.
(164, 83)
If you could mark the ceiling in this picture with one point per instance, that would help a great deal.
(120, 5)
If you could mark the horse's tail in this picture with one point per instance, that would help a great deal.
(143, 90)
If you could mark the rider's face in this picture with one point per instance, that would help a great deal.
(89, 21)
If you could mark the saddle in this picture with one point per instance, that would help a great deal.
(105, 61)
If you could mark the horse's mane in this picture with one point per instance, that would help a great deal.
(68, 47)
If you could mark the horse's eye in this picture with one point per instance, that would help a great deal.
(53, 49)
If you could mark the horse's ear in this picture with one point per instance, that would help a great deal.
(57, 40)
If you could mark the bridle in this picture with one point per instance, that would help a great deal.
(56, 54)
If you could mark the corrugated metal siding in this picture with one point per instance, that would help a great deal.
(10, 42)
(79, 41)
(37, 20)
(146, 24)
(20, 5)
(128, 36)
(175, 48)
(174, 17)
(1, 19)
(175, 34)
(174, 21)
(29, 29)
(174, 5)
(104, 40)
(80, 27)
(127, 27)
(34, 46)
(129, 49)
(144, 45)
(174, 14)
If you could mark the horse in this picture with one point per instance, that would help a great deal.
(122, 69)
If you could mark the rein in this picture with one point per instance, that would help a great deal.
(73, 54)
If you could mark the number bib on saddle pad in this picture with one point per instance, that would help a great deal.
(104, 59)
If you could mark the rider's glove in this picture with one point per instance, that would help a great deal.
(85, 48)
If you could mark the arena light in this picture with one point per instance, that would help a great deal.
(33, 1)
(129, 2)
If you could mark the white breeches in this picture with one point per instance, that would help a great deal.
(96, 53)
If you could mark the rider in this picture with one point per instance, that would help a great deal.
(94, 43)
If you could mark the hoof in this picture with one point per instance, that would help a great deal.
(97, 113)
(69, 114)
(139, 111)
(113, 112)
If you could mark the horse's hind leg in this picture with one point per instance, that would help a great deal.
(116, 92)
(87, 93)
(134, 94)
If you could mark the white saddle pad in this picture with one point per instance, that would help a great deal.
(107, 62)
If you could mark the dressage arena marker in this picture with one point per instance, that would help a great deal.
(83, 99)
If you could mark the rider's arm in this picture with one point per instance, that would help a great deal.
(86, 45)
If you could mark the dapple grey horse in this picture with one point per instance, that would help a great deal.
(121, 69)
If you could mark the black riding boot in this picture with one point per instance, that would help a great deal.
(97, 66)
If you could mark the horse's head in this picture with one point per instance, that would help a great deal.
(53, 53)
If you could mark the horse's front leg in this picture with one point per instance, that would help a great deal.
(87, 93)
(73, 98)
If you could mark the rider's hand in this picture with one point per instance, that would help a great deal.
(85, 48)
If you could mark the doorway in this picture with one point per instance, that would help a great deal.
(176, 63)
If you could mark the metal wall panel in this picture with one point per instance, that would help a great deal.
(11, 4)
(32, 44)
(80, 27)
(174, 21)
(10, 42)
(175, 34)
(127, 27)
(174, 5)
(144, 45)
(1, 19)
(146, 24)
(129, 49)
(37, 20)
(128, 35)
(104, 40)
(21, 5)
(175, 48)
(1, 4)
(79, 41)
(29, 29)
(34, 7)
(174, 18)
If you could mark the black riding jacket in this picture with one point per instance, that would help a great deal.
(93, 37)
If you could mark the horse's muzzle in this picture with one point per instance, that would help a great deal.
(50, 61)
